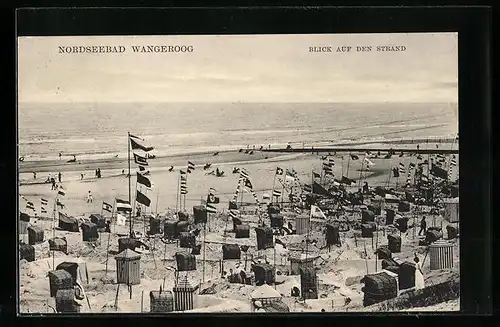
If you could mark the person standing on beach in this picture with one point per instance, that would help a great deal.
(81, 176)
(60, 155)
(53, 181)
(423, 226)
(59, 176)
(34, 175)
(90, 199)
(419, 275)
(98, 172)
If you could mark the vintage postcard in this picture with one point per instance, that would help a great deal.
(238, 173)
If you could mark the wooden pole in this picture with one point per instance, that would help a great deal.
(116, 297)
(157, 198)
(204, 246)
(129, 183)
(274, 182)
(142, 301)
(366, 257)
(177, 194)
(109, 236)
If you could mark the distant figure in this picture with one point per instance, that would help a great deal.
(53, 181)
(323, 310)
(437, 146)
(74, 157)
(347, 301)
(418, 147)
(138, 212)
(60, 155)
(90, 199)
(98, 172)
(423, 226)
(81, 176)
(34, 175)
(419, 275)
(171, 168)
(366, 189)
(59, 176)
(108, 227)
(123, 171)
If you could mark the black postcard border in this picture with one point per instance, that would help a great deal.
(472, 24)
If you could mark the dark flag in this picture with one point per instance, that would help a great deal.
(439, 172)
(182, 172)
(279, 171)
(143, 199)
(354, 157)
(140, 160)
(136, 145)
(212, 199)
(346, 180)
(248, 184)
(136, 137)
(388, 156)
(142, 168)
(395, 172)
(318, 189)
(316, 175)
(190, 167)
(143, 180)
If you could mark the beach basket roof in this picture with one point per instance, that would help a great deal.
(264, 291)
(128, 254)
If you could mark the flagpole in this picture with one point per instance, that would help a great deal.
(348, 161)
(157, 197)
(109, 236)
(129, 183)
(274, 181)
(133, 210)
(54, 233)
(204, 244)
(177, 194)
(390, 174)
(361, 171)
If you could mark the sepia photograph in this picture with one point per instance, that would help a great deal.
(280, 173)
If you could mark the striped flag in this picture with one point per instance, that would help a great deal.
(30, 205)
(44, 202)
(61, 191)
(402, 169)
(211, 208)
(106, 206)
(182, 172)
(142, 198)
(244, 174)
(279, 171)
(138, 146)
(136, 137)
(307, 188)
(60, 204)
(123, 205)
(453, 161)
(289, 176)
(277, 193)
(142, 161)
(329, 173)
(234, 213)
(43, 210)
(331, 162)
(190, 167)
(368, 162)
(316, 175)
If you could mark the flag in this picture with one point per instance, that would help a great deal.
(182, 172)
(211, 190)
(395, 172)
(307, 188)
(142, 199)
(331, 161)
(43, 210)
(453, 161)
(140, 160)
(30, 205)
(143, 180)
(439, 172)
(329, 172)
(244, 174)
(212, 199)
(354, 157)
(142, 168)
(317, 213)
(44, 202)
(190, 167)
(248, 184)
(346, 180)
(122, 205)
(279, 171)
(106, 206)
(211, 208)
(234, 213)
(368, 162)
(61, 191)
(60, 204)
(277, 193)
(184, 191)
(120, 219)
(402, 169)
(316, 175)
(136, 145)
(136, 137)
(412, 165)
(289, 177)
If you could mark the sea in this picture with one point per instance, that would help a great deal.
(99, 130)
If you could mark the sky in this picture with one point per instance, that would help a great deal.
(242, 68)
